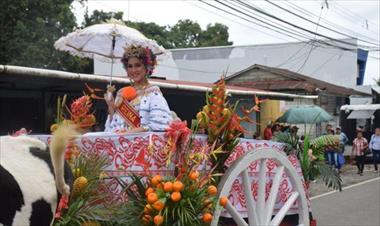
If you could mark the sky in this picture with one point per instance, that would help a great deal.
(355, 18)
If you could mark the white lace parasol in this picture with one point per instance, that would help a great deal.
(105, 42)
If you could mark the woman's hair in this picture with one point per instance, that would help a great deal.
(145, 54)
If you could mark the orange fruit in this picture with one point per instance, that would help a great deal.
(223, 201)
(176, 196)
(156, 180)
(193, 175)
(212, 190)
(158, 205)
(178, 186)
(207, 218)
(152, 198)
(148, 191)
(158, 220)
(168, 187)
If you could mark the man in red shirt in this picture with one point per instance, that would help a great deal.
(268, 132)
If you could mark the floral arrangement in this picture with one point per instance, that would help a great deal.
(222, 123)
(79, 112)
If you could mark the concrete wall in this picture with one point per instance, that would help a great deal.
(326, 63)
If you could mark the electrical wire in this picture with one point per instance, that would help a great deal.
(322, 26)
(254, 22)
(293, 25)
(234, 21)
(308, 13)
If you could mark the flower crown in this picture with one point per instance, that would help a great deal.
(145, 54)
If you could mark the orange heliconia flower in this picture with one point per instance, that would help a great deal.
(176, 196)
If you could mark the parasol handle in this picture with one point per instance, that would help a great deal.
(112, 51)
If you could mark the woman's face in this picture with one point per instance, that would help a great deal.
(136, 70)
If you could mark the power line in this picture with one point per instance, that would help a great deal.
(270, 22)
(254, 22)
(306, 19)
(293, 25)
(271, 26)
(308, 13)
(348, 11)
(312, 46)
(224, 17)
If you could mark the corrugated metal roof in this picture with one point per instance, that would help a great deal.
(6, 70)
(296, 81)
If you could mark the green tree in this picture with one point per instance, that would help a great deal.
(215, 35)
(29, 30)
(98, 17)
(185, 34)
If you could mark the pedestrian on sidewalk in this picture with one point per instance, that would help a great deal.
(359, 145)
(374, 145)
(342, 142)
(330, 151)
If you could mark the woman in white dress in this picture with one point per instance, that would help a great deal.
(147, 110)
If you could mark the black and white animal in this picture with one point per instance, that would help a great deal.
(28, 191)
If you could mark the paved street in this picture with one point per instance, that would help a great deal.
(359, 205)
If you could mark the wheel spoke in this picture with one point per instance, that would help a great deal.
(252, 215)
(281, 214)
(261, 193)
(235, 215)
(273, 194)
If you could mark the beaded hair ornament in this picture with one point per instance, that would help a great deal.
(145, 54)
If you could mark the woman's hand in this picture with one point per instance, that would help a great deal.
(108, 97)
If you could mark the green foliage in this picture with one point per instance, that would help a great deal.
(88, 204)
(215, 35)
(29, 30)
(313, 168)
(291, 142)
(184, 34)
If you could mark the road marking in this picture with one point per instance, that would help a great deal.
(345, 188)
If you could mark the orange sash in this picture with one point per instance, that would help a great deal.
(130, 115)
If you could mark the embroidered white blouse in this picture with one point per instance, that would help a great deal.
(152, 107)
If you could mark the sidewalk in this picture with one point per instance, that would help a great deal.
(349, 176)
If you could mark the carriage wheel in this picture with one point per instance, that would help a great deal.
(260, 213)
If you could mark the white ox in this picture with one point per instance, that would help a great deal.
(28, 192)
